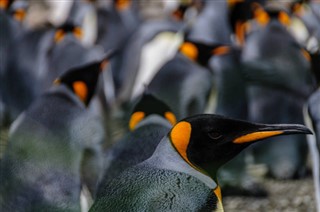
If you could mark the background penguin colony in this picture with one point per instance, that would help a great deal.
(83, 83)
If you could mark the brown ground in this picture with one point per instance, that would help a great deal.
(284, 196)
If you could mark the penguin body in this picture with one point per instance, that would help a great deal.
(43, 165)
(139, 144)
(181, 174)
(132, 72)
(279, 82)
(43, 55)
(312, 119)
(183, 85)
(11, 22)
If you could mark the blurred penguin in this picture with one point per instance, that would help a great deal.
(279, 82)
(312, 120)
(42, 55)
(116, 23)
(185, 82)
(150, 120)
(154, 43)
(54, 146)
(13, 26)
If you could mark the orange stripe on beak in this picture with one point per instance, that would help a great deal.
(256, 136)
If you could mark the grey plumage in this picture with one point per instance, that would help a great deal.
(183, 85)
(279, 82)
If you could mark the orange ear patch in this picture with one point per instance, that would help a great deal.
(135, 119)
(103, 64)
(4, 4)
(306, 55)
(122, 4)
(233, 2)
(59, 35)
(222, 50)
(19, 15)
(80, 88)
(77, 31)
(284, 18)
(261, 16)
(170, 117)
(180, 138)
(255, 136)
(189, 50)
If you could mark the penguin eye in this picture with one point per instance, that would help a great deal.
(214, 135)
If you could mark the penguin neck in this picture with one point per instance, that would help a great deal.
(166, 157)
(154, 119)
(67, 94)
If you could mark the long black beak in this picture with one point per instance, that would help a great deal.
(270, 130)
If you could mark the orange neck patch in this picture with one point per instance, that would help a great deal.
(178, 15)
(222, 50)
(284, 18)
(234, 2)
(135, 119)
(77, 31)
(217, 192)
(4, 4)
(58, 36)
(306, 55)
(261, 16)
(170, 117)
(122, 4)
(189, 50)
(80, 88)
(19, 15)
(104, 64)
(256, 136)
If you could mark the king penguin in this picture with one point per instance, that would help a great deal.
(12, 15)
(190, 80)
(54, 146)
(279, 81)
(181, 173)
(150, 121)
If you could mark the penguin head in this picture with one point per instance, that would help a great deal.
(82, 80)
(18, 10)
(240, 14)
(298, 7)
(202, 52)
(67, 28)
(264, 16)
(122, 5)
(149, 105)
(208, 141)
(5, 4)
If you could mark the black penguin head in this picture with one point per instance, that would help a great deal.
(206, 142)
(66, 29)
(202, 52)
(263, 16)
(148, 105)
(240, 14)
(82, 80)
